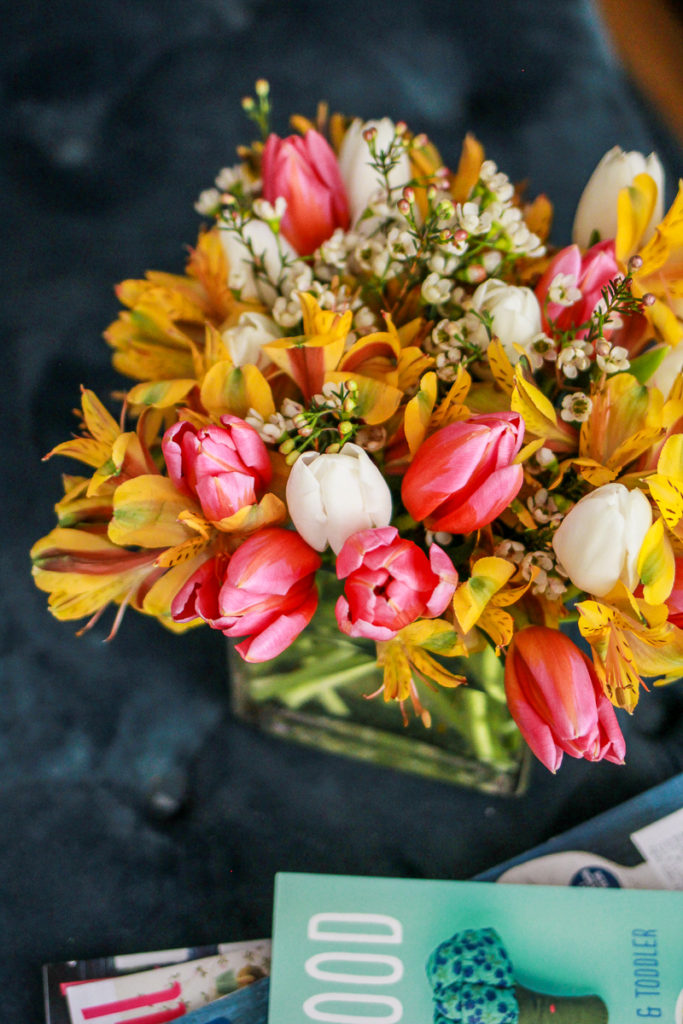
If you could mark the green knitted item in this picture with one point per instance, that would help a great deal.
(472, 982)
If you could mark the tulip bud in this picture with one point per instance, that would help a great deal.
(597, 209)
(599, 539)
(464, 475)
(305, 172)
(225, 468)
(391, 583)
(268, 251)
(332, 495)
(515, 313)
(588, 275)
(556, 699)
(265, 592)
(355, 163)
(245, 339)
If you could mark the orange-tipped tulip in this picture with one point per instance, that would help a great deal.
(304, 170)
(556, 700)
(464, 475)
(265, 592)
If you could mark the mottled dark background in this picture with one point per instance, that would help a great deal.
(115, 113)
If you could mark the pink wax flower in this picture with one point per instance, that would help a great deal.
(463, 476)
(265, 592)
(555, 698)
(390, 582)
(224, 467)
(304, 170)
(589, 272)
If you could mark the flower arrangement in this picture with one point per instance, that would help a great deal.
(378, 367)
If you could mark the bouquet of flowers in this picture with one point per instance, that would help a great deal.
(377, 367)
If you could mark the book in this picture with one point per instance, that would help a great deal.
(368, 950)
(172, 983)
(248, 1006)
(638, 844)
(58, 976)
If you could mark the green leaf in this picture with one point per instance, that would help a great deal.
(643, 366)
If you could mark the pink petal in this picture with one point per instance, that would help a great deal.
(280, 634)
(482, 506)
(358, 546)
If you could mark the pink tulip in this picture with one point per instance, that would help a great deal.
(555, 698)
(266, 592)
(391, 583)
(225, 468)
(590, 271)
(198, 597)
(305, 171)
(463, 476)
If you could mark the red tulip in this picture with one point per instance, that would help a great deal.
(305, 171)
(463, 476)
(591, 272)
(391, 583)
(555, 698)
(266, 592)
(225, 468)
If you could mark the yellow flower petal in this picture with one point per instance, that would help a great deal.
(161, 394)
(501, 367)
(635, 206)
(539, 415)
(488, 576)
(236, 389)
(418, 412)
(146, 511)
(656, 564)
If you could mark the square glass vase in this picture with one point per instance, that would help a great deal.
(317, 692)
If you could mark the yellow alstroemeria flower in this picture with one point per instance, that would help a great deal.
(159, 335)
(630, 641)
(481, 600)
(660, 273)
(666, 485)
(626, 420)
(423, 417)
(407, 656)
(320, 356)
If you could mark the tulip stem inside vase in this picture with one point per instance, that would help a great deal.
(317, 693)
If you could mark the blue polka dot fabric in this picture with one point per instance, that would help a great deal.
(472, 981)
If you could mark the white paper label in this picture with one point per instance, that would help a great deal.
(661, 844)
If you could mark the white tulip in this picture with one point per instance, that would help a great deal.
(272, 249)
(332, 496)
(246, 338)
(515, 313)
(360, 178)
(600, 538)
(597, 209)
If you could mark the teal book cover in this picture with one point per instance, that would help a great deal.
(352, 950)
